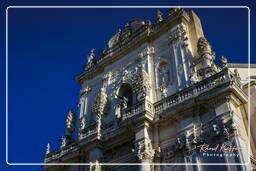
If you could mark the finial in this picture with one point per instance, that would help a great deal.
(203, 46)
(48, 149)
(159, 16)
(70, 120)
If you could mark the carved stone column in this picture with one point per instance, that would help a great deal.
(147, 54)
(83, 101)
(95, 157)
(181, 55)
(144, 148)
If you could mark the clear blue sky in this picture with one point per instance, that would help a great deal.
(48, 48)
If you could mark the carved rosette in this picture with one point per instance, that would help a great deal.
(144, 150)
(99, 105)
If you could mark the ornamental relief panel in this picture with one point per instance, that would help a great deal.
(100, 103)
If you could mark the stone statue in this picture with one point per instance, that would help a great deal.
(63, 141)
(163, 91)
(164, 75)
(90, 62)
(159, 16)
(82, 123)
(237, 75)
(224, 62)
(90, 57)
(125, 102)
(117, 111)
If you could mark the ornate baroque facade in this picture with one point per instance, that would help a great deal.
(155, 95)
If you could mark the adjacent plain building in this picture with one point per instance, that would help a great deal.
(155, 97)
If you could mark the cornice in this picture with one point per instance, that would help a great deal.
(240, 65)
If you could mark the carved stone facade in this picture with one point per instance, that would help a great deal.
(161, 100)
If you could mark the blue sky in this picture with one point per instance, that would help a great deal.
(48, 48)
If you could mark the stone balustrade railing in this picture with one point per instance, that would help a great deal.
(61, 152)
(205, 85)
(144, 106)
(91, 130)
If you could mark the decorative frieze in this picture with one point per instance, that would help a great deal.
(188, 141)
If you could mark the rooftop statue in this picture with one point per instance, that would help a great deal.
(90, 57)
(159, 16)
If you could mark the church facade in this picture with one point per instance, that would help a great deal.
(155, 97)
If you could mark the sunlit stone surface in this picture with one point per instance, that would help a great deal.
(156, 96)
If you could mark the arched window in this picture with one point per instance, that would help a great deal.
(125, 95)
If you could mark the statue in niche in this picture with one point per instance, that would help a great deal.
(100, 102)
(164, 74)
(117, 110)
(124, 102)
